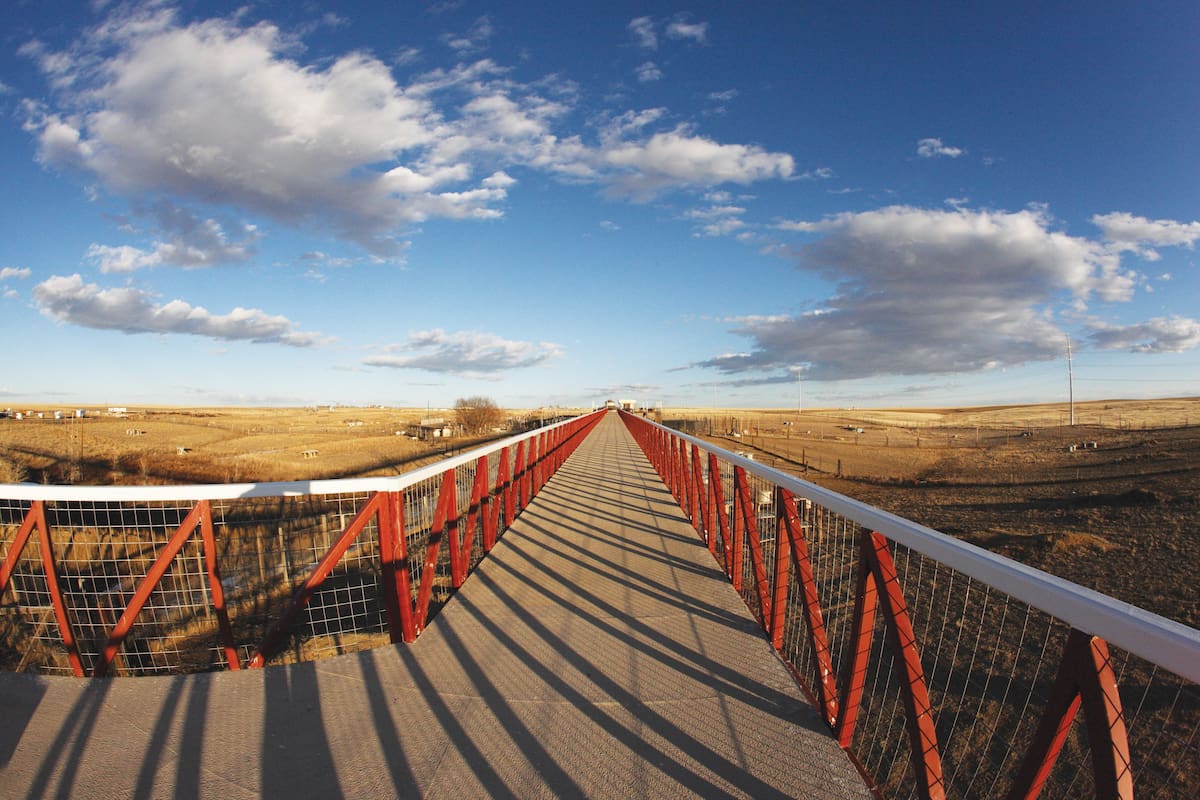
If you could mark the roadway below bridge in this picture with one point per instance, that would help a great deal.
(597, 652)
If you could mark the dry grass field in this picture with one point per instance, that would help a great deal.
(1112, 502)
(220, 445)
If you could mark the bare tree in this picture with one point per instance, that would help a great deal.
(477, 414)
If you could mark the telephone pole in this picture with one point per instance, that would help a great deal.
(1070, 382)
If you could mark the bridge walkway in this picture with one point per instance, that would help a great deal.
(597, 652)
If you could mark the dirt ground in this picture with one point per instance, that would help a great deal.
(1112, 503)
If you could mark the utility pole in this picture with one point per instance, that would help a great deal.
(1070, 382)
(799, 393)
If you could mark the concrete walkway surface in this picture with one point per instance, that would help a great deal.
(598, 652)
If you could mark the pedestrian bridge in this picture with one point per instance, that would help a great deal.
(599, 608)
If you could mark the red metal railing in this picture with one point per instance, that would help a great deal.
(130, 579)
(974, 687)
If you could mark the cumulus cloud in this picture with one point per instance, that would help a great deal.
(153, 117)
(932, 148)
(1127, 232)
(1158, 335)
(7, 273)
(678, 159)
(68, 299)
(468, 354)
(922, 291)
(146, 105)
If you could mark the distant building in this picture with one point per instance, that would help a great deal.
(627, 405)
(610, 404)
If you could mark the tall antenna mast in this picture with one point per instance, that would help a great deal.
(1070, 380)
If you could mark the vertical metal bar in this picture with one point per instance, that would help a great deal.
(519, 476)
(443, 517)
(739, 526)
(779, 586)
(491, 509)
(716, 505)
(148, 584)
(215, 589)
(718, 486)
(861, 630)
(754, 539)
(695, 503)
(475, 509)
(393, 547)
(505, 488)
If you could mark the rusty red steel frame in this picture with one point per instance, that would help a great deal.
(1085, 676)
(493, 504)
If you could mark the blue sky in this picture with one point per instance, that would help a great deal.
(280, 203)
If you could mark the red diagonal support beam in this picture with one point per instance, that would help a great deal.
(1085, 678)
(215, 589)
(877, 579)
(397, 584)
(811, 604)
(749, 519)
(330, 560)
(444, 517)
(148, 584)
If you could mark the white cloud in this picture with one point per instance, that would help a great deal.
(642, 29)
(68, 299)
(648, 72)
(697, 31)
(932, 148)
(154, 118)
(609, 225)
(143, 105)
(675, 159)
(7, 273)
(1127, 232)
(1158, 335)
(921, 291)
(469, 354)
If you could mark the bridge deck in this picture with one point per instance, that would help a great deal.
(597, 652)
